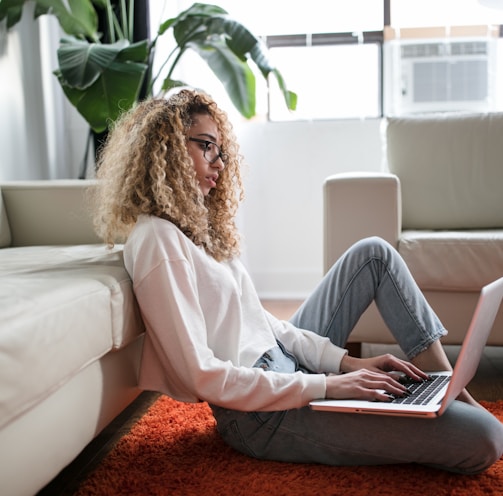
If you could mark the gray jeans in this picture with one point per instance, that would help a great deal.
(465, 439)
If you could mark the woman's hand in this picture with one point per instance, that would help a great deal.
(371, 378)
(383, 363)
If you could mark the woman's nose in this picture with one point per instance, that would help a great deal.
(219, 164)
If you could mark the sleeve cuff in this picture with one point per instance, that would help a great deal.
(331, 359)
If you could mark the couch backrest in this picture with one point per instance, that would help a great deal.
(450, 168)
(48, 212)
(5, 238)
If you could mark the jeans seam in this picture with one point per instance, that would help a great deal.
(428, 337)
(344, 294)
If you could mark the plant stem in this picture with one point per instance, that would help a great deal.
(131, 20)
(119, 33)
(181, 51)
(124, 23)
(111, 29)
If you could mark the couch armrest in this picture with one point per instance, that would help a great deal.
(49, 212)
(358, 205)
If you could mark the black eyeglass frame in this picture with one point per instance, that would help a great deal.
(222, 156)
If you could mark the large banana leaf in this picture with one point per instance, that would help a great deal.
(234, 74)
(76, 17)
(226, 45)
(101, 80)
(12, 11)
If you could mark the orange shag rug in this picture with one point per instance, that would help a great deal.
(174, 449)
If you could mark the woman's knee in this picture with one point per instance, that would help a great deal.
(490, 444)
(370, 249)
(483, 435)
(374, 246)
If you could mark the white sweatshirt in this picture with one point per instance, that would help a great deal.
(206, 328)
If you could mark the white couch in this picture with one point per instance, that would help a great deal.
(70, 332)
(440, 203)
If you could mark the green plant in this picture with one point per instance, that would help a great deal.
(101, 79)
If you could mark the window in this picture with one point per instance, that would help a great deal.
(330, 54)
(326, 86)
(366, 58)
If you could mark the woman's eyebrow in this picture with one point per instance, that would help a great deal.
(209, 136)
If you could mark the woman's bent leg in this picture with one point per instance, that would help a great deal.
(372, 270)
(465, 439)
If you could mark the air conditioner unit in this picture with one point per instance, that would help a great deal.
(439, 75)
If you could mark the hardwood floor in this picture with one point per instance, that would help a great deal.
(487, 385)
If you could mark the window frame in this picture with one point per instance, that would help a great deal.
(347, 38)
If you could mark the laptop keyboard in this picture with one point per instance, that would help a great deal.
(422, 392)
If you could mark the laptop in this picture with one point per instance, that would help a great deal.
(449, 383)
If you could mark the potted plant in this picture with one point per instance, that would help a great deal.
(103, 75)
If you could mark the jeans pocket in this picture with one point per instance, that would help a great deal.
(271, 418)
(232, 436)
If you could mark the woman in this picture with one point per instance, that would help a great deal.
(170, 184)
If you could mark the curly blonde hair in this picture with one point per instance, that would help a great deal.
(145, 168)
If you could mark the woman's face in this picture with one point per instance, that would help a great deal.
(203, 146)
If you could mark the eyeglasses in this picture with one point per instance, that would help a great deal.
(211, 151)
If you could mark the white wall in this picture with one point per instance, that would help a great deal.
(22, 131)
(35, 117)
(282, 216)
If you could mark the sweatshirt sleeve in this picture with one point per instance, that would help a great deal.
(177, 359)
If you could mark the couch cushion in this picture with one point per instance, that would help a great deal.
(62, 308)
(5, 237)
(450, 168)
(454, 261)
